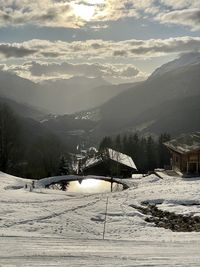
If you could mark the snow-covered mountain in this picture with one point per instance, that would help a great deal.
(183, 60)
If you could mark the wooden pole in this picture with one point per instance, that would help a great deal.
(104, 226)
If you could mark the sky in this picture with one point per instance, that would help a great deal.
(119, 40)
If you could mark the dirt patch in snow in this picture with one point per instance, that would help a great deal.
(169, 220)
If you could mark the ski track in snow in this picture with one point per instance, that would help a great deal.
(29, 252)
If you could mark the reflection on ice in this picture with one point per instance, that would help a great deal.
(93, 186)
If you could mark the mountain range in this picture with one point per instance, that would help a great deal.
(59, 96)
(185, 60)
(127, 109)
(168, 101)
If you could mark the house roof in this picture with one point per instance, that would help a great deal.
(185, 143)
(113, 155)
(121, 158)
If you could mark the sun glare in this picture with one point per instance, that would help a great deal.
(90, 183)
(95, 2)
(84, 11)
(89, 186)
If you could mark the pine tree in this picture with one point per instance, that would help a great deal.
(163, 153)
(118, 143)
(151, 154)
(135, 148)
(125, 144)
(9, 139)
(142, 155)
(63, 168)
(105, 143)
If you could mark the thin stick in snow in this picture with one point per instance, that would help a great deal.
(104, 227)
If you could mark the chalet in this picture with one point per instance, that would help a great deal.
(109, 163)
(185, 153)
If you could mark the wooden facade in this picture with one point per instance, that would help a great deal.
(109, 168)
(188, 163)
(185, 153)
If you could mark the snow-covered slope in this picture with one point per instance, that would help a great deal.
(8, 181)
(54, 228)
(183, 60)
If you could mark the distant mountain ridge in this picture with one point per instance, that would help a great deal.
(23, 110)
(173, 85)
(75, 95)
(184, 60)
(164, 102)
(63, 96)
(17, 88)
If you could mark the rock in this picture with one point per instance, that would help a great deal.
(149, 219)
(169, 220)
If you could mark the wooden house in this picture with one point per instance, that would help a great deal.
(185, 153)
(109, 163)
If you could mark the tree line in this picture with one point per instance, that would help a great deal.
(26, 154)
(29, 152)
(148, 153)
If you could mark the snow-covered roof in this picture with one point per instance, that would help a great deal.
(113, 155)
(92, 161)
(121, 158)
(185, 143)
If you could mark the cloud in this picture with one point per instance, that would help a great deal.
(78, 13)
(186, 10)
(130, 71)
(120, 53)
(69, 14)
(41, 13)
(180, 12)
(113, 10)
(180, 4)
(186, 17)
(99, 50)
(84, 69)
(98, 27)
(41, 71)
(157, 47)
(2, 67)
(15, 51)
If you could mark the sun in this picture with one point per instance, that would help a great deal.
(85, 12)
(95, 2)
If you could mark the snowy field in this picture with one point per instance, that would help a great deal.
(54, 228)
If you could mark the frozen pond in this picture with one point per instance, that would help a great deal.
(92, 186)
